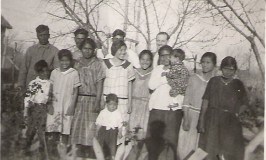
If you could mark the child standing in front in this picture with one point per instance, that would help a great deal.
(109, 122)
(119, 76)
(141, 94)
(177, 77)
(65, 82)
(35, 101)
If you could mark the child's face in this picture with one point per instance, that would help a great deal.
(112, 106)
(164, 58)
(207, 65)
(65, 63)
(174, 59)
(121, 53)
(87, 51)
(228, 72)
(145, 61)
(44, 74)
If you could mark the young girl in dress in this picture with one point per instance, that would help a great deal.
(91, 74)
(188, 135)
(119, 76)
(224, 99)
(109, 123)
(65, 82)
(141, 94)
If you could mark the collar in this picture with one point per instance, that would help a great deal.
(41, 80)
(109, 64)
(142, 75)
(67, 71)
(83, 62)
(43, 46)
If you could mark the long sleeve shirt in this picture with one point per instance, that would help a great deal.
(34, 54)
(160, 98)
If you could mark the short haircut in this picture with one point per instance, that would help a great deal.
(145, 51)
(116, 46)
(40, 65)
(119, 32)
(111, 97)
(65, 53)
(179, 53)
(211, 55)
(81, 31)
(88, 41)
(42, 28)
(164, 33)
(229, 62)
(165, 48)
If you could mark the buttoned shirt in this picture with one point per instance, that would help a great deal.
(34, 54)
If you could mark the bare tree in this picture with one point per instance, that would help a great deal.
(239, 16)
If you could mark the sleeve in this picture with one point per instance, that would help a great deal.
(24, 68)
(56, 60)
(77, 82)
(243, 94)
(100, 118)
(156, 79)
(53, 76)
(189, 92)
(100, 72)
(207, 92)
(133, 58)
(130, 73)
(99, 54)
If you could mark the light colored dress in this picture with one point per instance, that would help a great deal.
(63, 87)
(83, 127)
(140, 98)
(188, 140)
(116, 82)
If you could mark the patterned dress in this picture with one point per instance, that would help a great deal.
(223, 131)
(116, 82)
(63, 86)
(188, 140)
(83, 126)
(140, 98)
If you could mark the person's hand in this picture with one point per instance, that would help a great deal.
(163, 74)
(129, 110)
(70, 110)
(186, 125)
(97, 106)
(50, 109)
(200, 127)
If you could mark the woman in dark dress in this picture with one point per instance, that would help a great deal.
(224, 99)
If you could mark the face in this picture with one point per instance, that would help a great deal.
(43, 37)
(65, 63)
(161, 40)
(79, 38)
(164, 58)
(207, 64)
(174, 59)
(145, 61)
(121, 53)
(44, 74)
(87, 51)
(112, 106)
(117, 38)
(228, 72)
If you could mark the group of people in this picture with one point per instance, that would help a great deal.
(91, 93)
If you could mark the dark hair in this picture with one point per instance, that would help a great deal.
(164, 33)
(148, 52)
(165, 47)
(211, 55)
(179, 53)
(119, 32)
(40, 65)
(42, 28)
(65, 53)
(111, 97)
(88, 41)
(116, 46)
(81, 31)
(229, 62)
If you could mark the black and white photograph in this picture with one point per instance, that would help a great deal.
(132, 79)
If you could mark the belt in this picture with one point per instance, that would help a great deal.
(118, 97)
(89, 95)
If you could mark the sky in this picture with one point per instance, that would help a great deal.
(26, 15)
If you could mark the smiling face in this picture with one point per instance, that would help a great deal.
(87, 51)
(121, 53)
(44, 74)
(79, 38)
(112, 106)
(43, 37)
(145, 61)
(228, 71)
(161, 40)
(207, 64)
(65, 63)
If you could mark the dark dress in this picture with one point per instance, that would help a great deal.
(223, 131)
